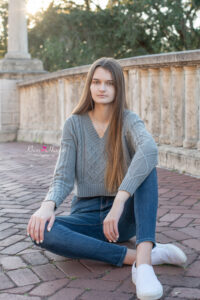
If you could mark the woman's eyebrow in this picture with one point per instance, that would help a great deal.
(105, 80)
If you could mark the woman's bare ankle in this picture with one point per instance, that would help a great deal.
(130, 257)
(144, 253)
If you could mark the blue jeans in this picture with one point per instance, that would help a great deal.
(80, 234)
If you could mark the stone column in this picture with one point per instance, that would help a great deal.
(17, 58)
(177, 117)
(17, 30)
(165, 98)
(191, 107)
(14, 67)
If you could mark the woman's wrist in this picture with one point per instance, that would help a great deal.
(49, 204)
(122, 196)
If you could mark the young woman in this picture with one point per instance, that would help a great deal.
(110, 156)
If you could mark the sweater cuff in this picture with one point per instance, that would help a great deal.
(52, 197)
(129, 186)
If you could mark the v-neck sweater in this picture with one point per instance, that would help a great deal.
(81, 161)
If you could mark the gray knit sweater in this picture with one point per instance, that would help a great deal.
(81, 161)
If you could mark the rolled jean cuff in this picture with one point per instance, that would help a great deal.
(147, 240)
(121, 260)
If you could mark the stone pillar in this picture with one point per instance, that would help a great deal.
(177, 117)
(17, 58)
(17, 30)
(154, 99)
(16, 66)
(191, 107)
(165, 98)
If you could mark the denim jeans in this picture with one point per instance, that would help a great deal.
(80, 234)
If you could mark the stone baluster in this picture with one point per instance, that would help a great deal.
(134, 91)
(165, 99)
(191, 107)
(145, 103)
(177, 112)
(154, 99)
(61, 100)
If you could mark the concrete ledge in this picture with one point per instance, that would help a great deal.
(16, 65)
(177, 158)
(39, 136)
(8, 136)
(179, 58)
(191, 57)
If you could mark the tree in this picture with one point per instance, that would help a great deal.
(69, 34)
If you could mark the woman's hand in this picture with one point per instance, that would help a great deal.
(38, 220)
(110, 223)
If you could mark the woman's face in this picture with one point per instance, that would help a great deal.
(102, 86)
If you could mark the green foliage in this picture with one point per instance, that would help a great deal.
(68, 35)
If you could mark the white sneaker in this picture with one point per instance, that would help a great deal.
(148, 287)
(167, 254)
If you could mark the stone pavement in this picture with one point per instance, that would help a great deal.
(27, 272)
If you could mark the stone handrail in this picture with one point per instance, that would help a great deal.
(163, 89)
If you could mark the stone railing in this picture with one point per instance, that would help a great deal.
(163, 89)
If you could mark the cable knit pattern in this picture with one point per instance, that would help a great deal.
(81, 159)
(146, 153)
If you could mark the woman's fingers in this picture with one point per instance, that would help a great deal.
(36, 224)
(36, 230)
(106, 231)
(52, 219)
(41, 232)
(110, 230)
(115, 228)
(32, 227)
(29, 226)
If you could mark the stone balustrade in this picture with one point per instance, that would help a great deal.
(164, 90)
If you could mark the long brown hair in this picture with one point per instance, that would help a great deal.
(116, 164)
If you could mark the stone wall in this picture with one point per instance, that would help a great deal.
(163, 89)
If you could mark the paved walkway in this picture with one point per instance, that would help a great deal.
(30, 273)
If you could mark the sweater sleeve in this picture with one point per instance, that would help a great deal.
(64, 172)
(145, 157)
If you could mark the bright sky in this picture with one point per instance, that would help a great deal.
(35, 5)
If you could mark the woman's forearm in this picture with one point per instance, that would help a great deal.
(122, 196)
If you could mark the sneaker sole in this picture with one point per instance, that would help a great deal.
(178, 251)
(155, 297)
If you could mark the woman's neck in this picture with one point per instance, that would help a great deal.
(102, 113)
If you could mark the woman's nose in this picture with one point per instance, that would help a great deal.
(102, 87)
